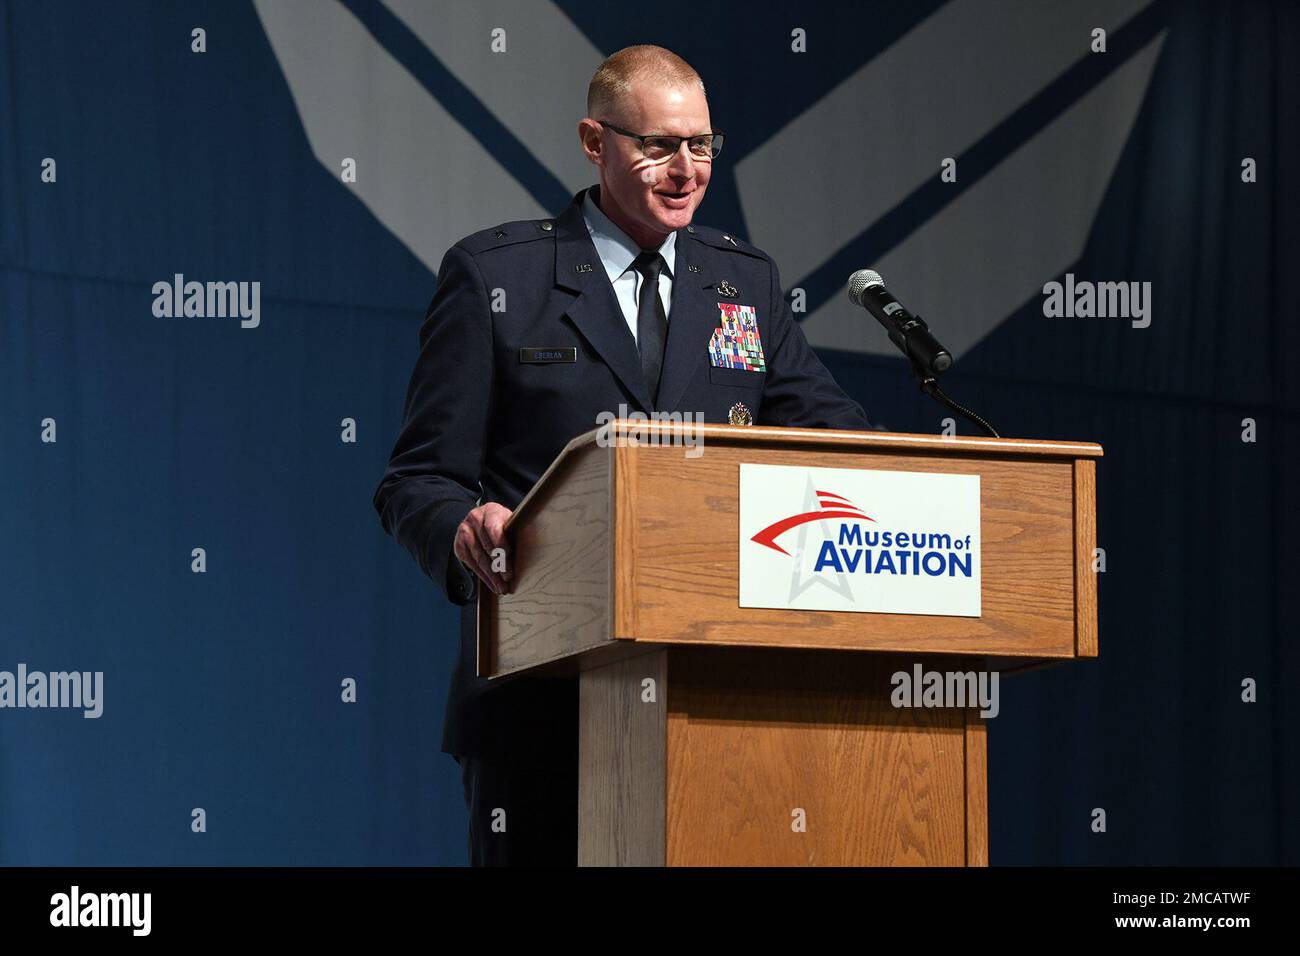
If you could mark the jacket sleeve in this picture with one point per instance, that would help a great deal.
(799, 391)
(432, 479)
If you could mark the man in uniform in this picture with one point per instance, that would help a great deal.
(536, 329)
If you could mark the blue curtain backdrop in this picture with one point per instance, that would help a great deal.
(222, 688)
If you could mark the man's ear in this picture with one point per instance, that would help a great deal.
(589, 138)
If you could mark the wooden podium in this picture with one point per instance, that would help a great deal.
(715, 734)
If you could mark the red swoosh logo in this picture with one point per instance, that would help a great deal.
(767, 537)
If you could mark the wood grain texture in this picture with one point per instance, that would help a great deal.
(977, 790)
(755, 735)
(625, 500)
(1085, 541)
(622, 777)
(687, 575)
(561, 603)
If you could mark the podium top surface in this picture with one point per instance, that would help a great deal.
(826, 437)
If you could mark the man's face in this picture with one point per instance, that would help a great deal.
(654, 198)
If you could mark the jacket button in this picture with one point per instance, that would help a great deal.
(546, 226)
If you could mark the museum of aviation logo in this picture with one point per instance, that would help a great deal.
(848, 542)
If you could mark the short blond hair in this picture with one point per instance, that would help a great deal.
(645, 63)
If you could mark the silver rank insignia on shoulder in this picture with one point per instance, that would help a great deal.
(727, 289)
(739, 415)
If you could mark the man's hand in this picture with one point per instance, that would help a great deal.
(483, 531)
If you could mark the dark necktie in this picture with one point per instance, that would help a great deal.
(651, 322)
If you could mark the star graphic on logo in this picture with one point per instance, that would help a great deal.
(801, 575)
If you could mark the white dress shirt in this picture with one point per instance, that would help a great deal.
(617, 252)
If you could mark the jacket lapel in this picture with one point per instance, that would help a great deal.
(596, 311)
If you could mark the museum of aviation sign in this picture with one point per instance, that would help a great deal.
(848, 539)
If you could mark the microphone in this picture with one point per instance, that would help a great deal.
(912, 336)
(907, 331)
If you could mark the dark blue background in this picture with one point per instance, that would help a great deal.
(222, 689)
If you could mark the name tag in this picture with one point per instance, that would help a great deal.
(545, 356)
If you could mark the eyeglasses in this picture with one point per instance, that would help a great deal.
(659, 148)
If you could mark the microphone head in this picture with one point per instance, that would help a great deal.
(861, 280)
